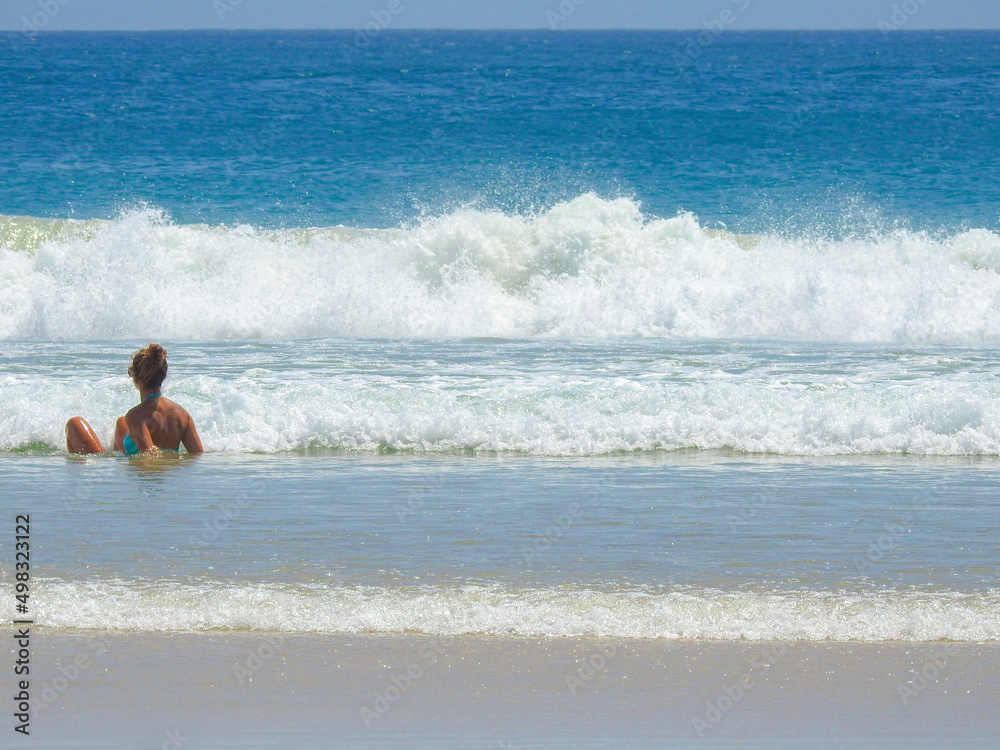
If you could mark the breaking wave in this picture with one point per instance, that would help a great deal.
(588, 267)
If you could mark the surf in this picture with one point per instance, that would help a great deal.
(689, 613)
(589, 267)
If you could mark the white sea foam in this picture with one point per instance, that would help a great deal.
(585, 268)
(541, 412)
(495, 610)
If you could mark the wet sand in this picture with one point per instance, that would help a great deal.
(132, 690)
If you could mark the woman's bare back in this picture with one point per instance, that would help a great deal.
(158, 423)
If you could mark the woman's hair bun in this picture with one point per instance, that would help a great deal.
(156, 353)
(149, 365)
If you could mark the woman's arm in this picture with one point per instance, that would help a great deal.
(190, 437)
(121, 430)
(138, 430)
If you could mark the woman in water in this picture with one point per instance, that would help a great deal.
(157, 423)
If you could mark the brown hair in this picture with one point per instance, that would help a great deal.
(149, 366)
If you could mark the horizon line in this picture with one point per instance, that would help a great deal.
(873, 29)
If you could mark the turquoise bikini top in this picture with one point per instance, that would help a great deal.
(129, 444)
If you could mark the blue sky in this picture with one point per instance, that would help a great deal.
(491, 14)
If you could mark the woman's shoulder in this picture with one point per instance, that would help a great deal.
(175, 411)
(146, 409)
(172, 405)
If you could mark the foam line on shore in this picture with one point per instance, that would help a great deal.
(688, 613)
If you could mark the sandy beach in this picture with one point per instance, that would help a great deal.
(280, 690)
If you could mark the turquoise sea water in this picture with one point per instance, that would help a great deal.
(509, 334)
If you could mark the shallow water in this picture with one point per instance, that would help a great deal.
(672, 546)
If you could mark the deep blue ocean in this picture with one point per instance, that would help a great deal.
(757, 131)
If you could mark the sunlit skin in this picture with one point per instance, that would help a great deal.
(155, 424)
(80, 437)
